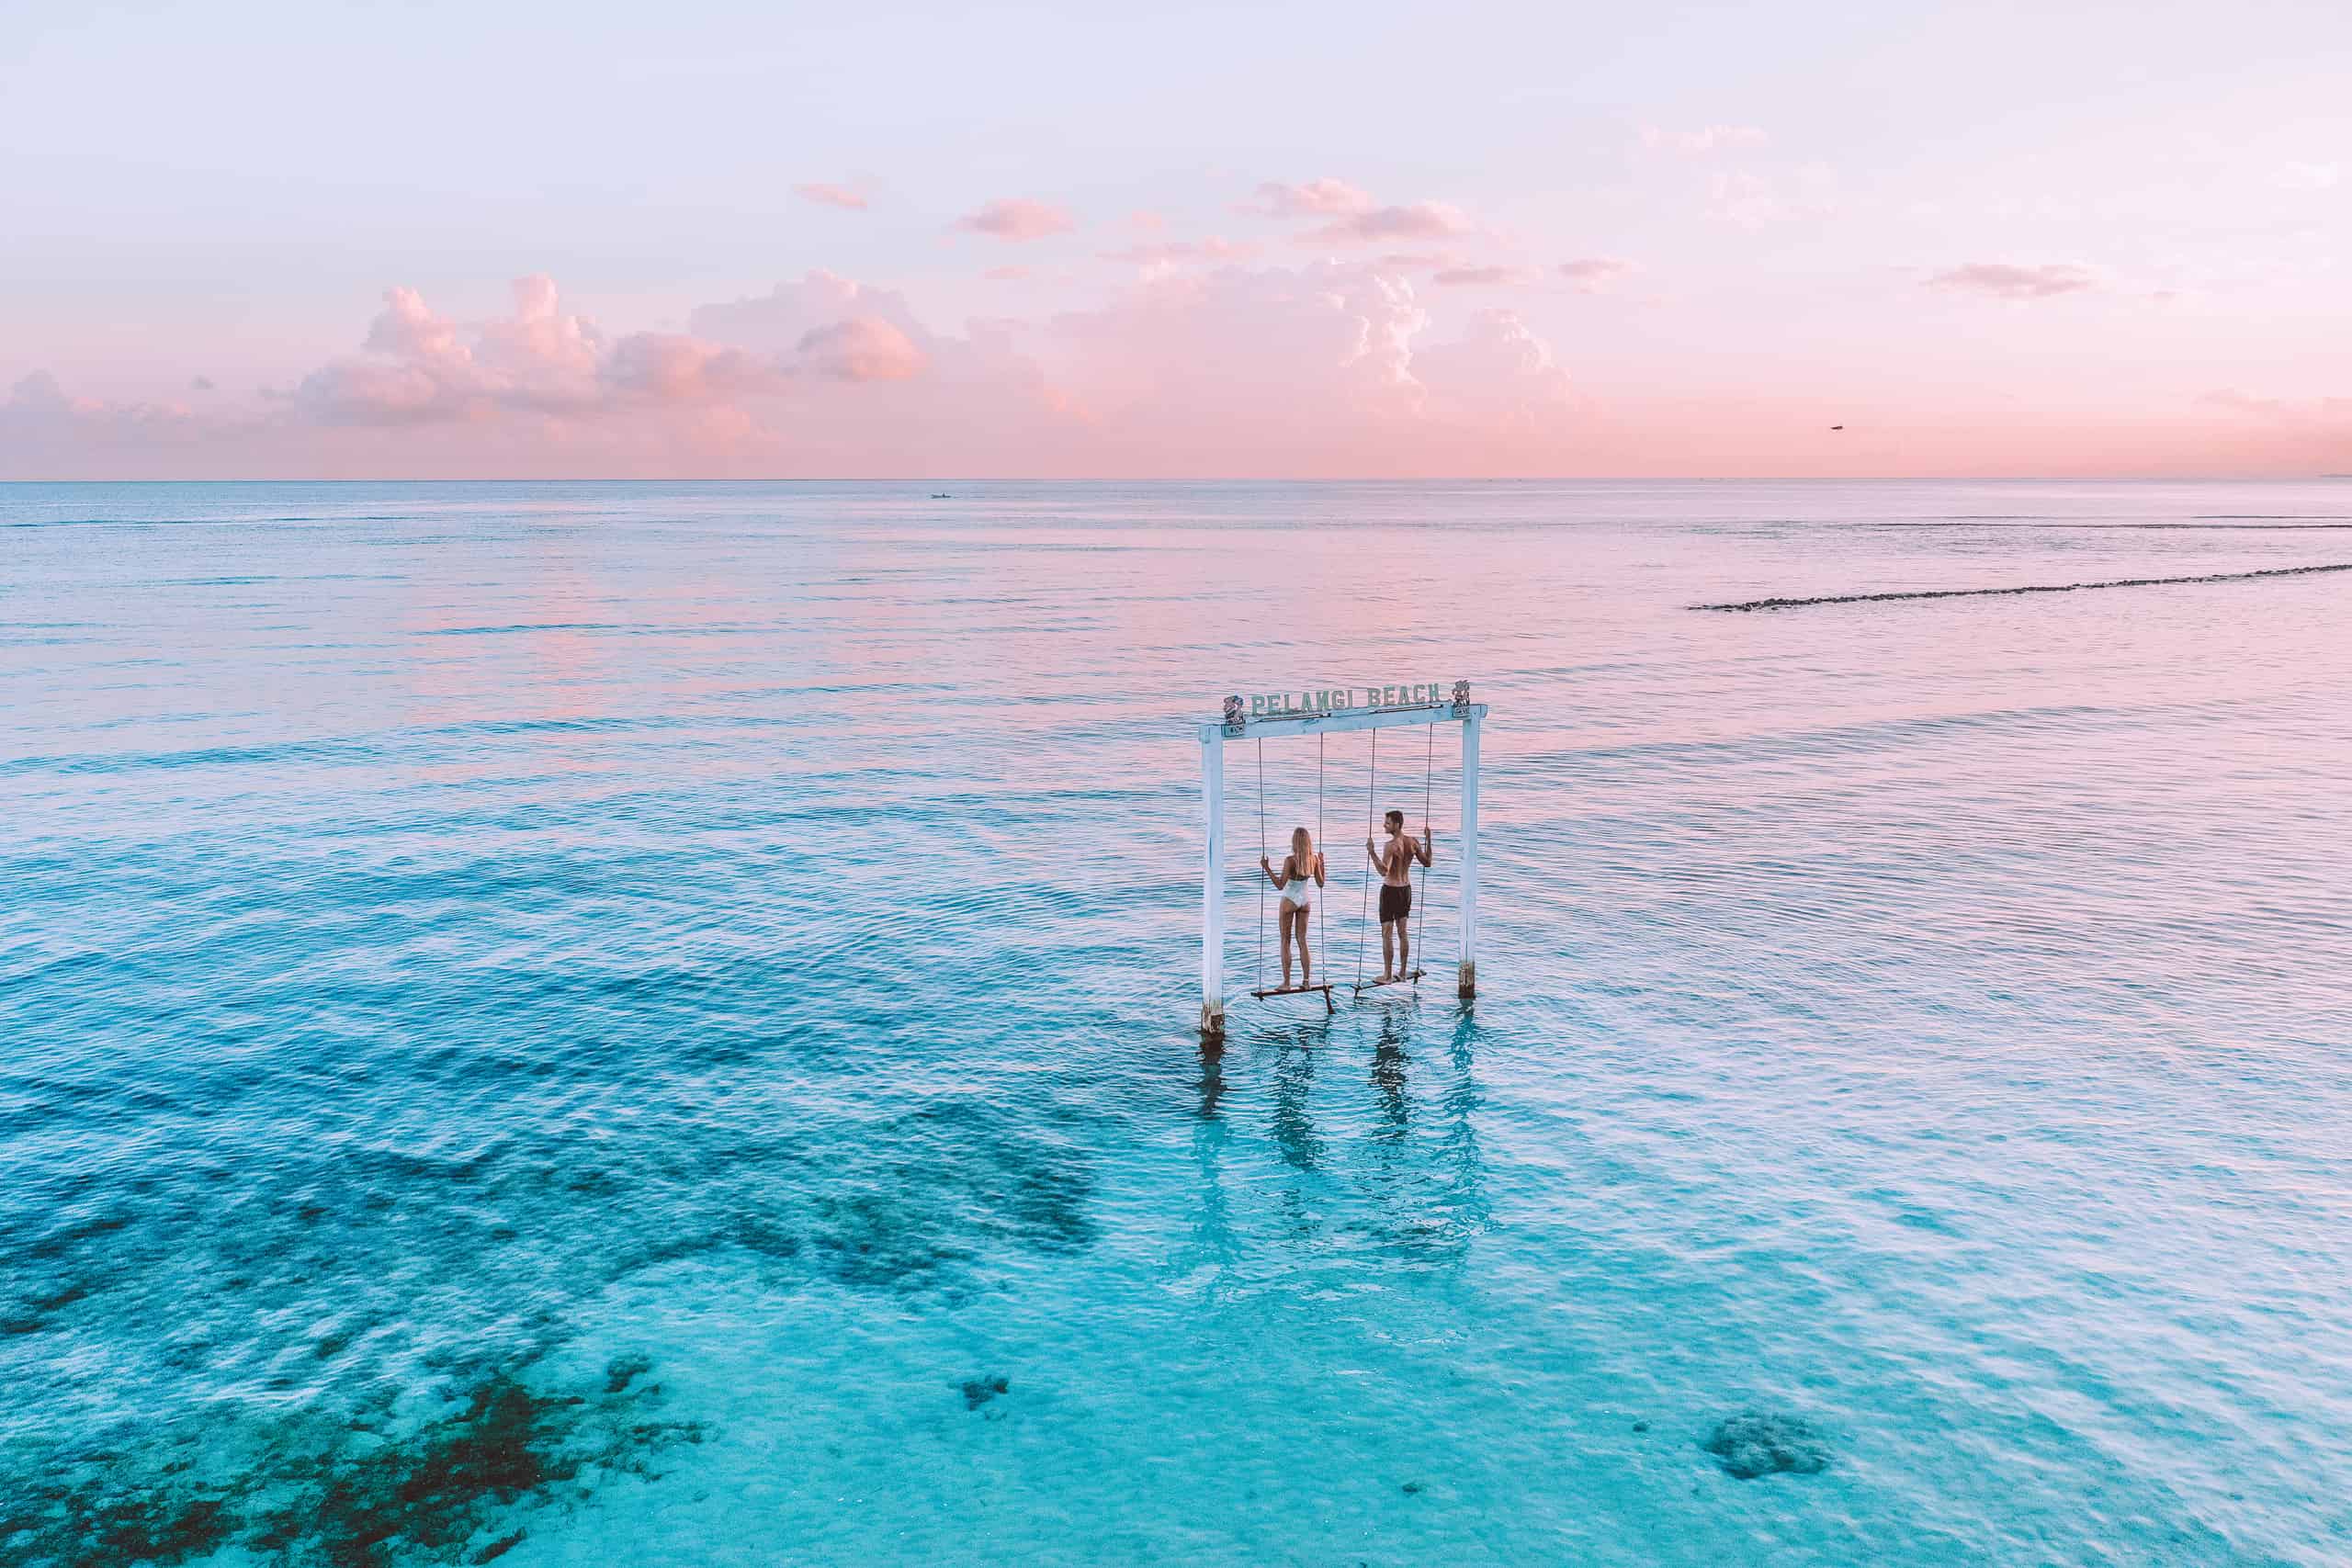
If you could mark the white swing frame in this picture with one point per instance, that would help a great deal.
(1237, 725)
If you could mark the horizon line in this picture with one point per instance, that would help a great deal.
(1230, 478)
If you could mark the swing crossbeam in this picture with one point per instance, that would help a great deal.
(1341, 719)
(1238, 725)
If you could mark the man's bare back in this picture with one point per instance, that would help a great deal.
(1396, 859)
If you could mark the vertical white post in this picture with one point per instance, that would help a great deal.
(1469, 986)
(1212, 884)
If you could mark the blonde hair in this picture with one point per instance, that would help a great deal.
(1302, 846)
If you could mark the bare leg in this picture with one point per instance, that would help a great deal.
(1305, 954)
(1387, 949)
(1287, 924)
(1404, 947)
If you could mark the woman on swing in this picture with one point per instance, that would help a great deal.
(1302, 873)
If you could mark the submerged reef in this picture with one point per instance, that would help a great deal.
(164, 1320)
(979, 1391)
(364, 1492)
(1752, 1444)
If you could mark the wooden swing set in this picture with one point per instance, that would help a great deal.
(1318, 714)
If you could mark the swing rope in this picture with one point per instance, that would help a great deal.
(1420, 902)
(1364, 910)
(1318, 849)
(1261, 984)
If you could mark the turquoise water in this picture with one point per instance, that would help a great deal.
(609, 1024)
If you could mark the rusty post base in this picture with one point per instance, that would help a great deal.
(1469, 982)
(1212, 1022)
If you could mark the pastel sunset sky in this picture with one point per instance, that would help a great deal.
(261, 238)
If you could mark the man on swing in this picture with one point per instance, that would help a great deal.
(1396, 859)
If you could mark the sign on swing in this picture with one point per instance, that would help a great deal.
(1340, 699)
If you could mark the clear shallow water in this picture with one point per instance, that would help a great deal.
(618, 1013)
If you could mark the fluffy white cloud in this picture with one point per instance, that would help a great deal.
(428, 368)
(1327, 368)
(1499, 380)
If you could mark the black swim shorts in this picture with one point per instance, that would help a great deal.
(1395, 903)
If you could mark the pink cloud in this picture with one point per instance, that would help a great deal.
(861, 348)
(49, 427)
(40, 393)
(1005, 274)
(1419, 221)
(1315, 198)
(1214, 248)
(1354, 217)
(1016, 218)
(1590, 275)
(832, 195)
(1482, 276)
(1706, 138)
(1754, 201)
(1502, 381)
(2004, 281)
(2332, 413)
(669, 369)
(428, 369)
(1328, 368)
(1335, 367)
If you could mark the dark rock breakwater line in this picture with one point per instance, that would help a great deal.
(1747, 604)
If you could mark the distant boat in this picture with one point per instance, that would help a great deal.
(941, 495)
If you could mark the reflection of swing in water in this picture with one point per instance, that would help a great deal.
(1318, 714)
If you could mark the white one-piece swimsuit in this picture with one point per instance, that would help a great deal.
(1299, 892)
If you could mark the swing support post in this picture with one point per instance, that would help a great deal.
(1212, 884)
(1271, 721)
(1469, 853)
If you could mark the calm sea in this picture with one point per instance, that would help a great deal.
(606, 1025)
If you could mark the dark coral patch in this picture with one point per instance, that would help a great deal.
(1752, 1444)
(344, 1495)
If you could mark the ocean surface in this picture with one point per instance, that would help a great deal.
(610, 1024)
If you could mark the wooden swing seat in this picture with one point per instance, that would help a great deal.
(1324, 991)
(1412, 979)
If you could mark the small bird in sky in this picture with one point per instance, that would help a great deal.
(1837, 427)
